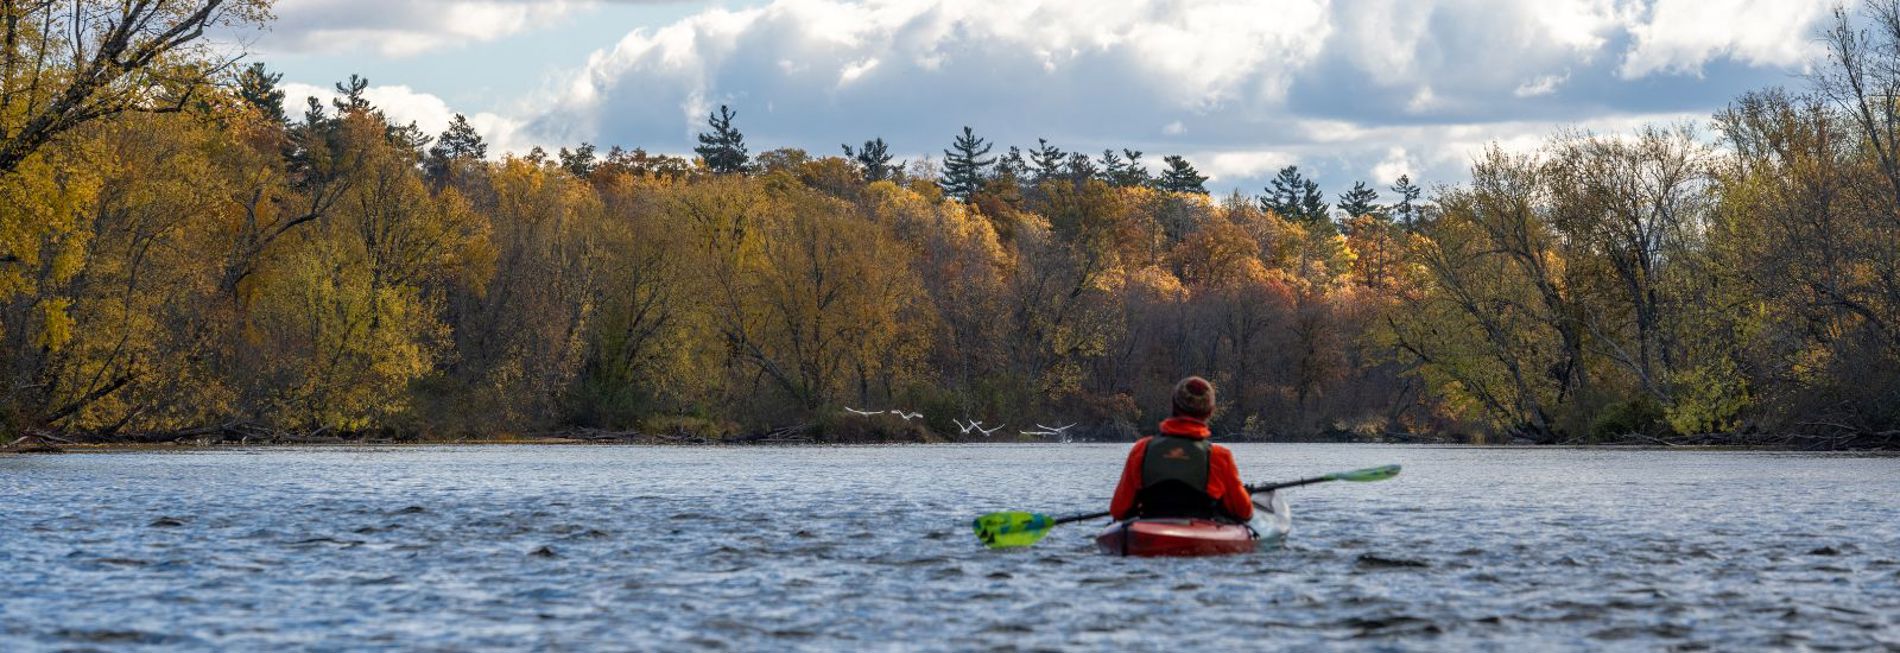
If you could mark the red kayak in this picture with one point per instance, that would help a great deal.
(1198, 537)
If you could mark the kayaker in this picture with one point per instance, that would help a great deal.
(1179, 473)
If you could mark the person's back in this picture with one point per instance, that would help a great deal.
(1178, 473)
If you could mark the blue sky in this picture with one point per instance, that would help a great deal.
(1347, 89)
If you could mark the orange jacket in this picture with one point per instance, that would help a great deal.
(1223, 478)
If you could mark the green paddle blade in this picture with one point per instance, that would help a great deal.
(1367, 474)
(1002, 530)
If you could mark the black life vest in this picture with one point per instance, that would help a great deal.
(1174, 473)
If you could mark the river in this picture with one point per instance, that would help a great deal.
(509, 548)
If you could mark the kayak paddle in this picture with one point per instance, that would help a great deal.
(1002, 530)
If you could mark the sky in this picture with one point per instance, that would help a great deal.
(1348, 90)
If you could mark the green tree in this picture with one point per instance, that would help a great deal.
(461, 141)
(1048, 160)
(1406, 210)
(1012, 166)
(1295, 197)
(460, 144)
(965, 165)
(874, 160)
(259, 88)
(580, 162)
(1124, 172)
(1080, 168)
(352, 95)
(1181, 177)
(1361, 200)
(723, 148)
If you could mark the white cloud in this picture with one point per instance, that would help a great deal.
(398, 28)
(1681, 36)
(1229, 166)
(854, 70)
(1423, 101)
(1347, 88)
(1396, 164)
(1541, 86)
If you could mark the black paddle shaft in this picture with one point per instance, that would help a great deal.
(1251, 489)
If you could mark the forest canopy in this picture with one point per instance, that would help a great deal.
(184, 249)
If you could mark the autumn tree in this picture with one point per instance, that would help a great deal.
(113, 58)
(345, 327)
(1630, 207)
(1517, 351)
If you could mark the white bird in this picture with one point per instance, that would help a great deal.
(1059, 432)
(906, 416)
(964, 429)
(987, 432)
(864, 413)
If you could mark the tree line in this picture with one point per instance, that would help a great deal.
(180, 250)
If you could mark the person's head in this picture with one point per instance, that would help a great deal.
(1194, 397)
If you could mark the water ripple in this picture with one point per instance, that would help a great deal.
(818, 549)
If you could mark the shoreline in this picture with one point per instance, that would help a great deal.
(650, 441)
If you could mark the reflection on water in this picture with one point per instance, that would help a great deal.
(631, 548)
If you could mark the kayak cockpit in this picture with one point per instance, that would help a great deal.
(1198, 537)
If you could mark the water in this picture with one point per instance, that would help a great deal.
(666, 549)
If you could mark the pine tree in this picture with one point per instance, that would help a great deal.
(1080, 168)
(460, 142)
(1361, 200)
(259, 89)
(580, 162)
(723, 149)
(313, 149)
(1048, 160)
(1132, 173)
(1181, 177)
(1295, 197)
(1012, 166)
(964, 165)
(874, 159)
(313, 115)
(1406, 210)
(1111, 166)
(409, 137)
(351, 97)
